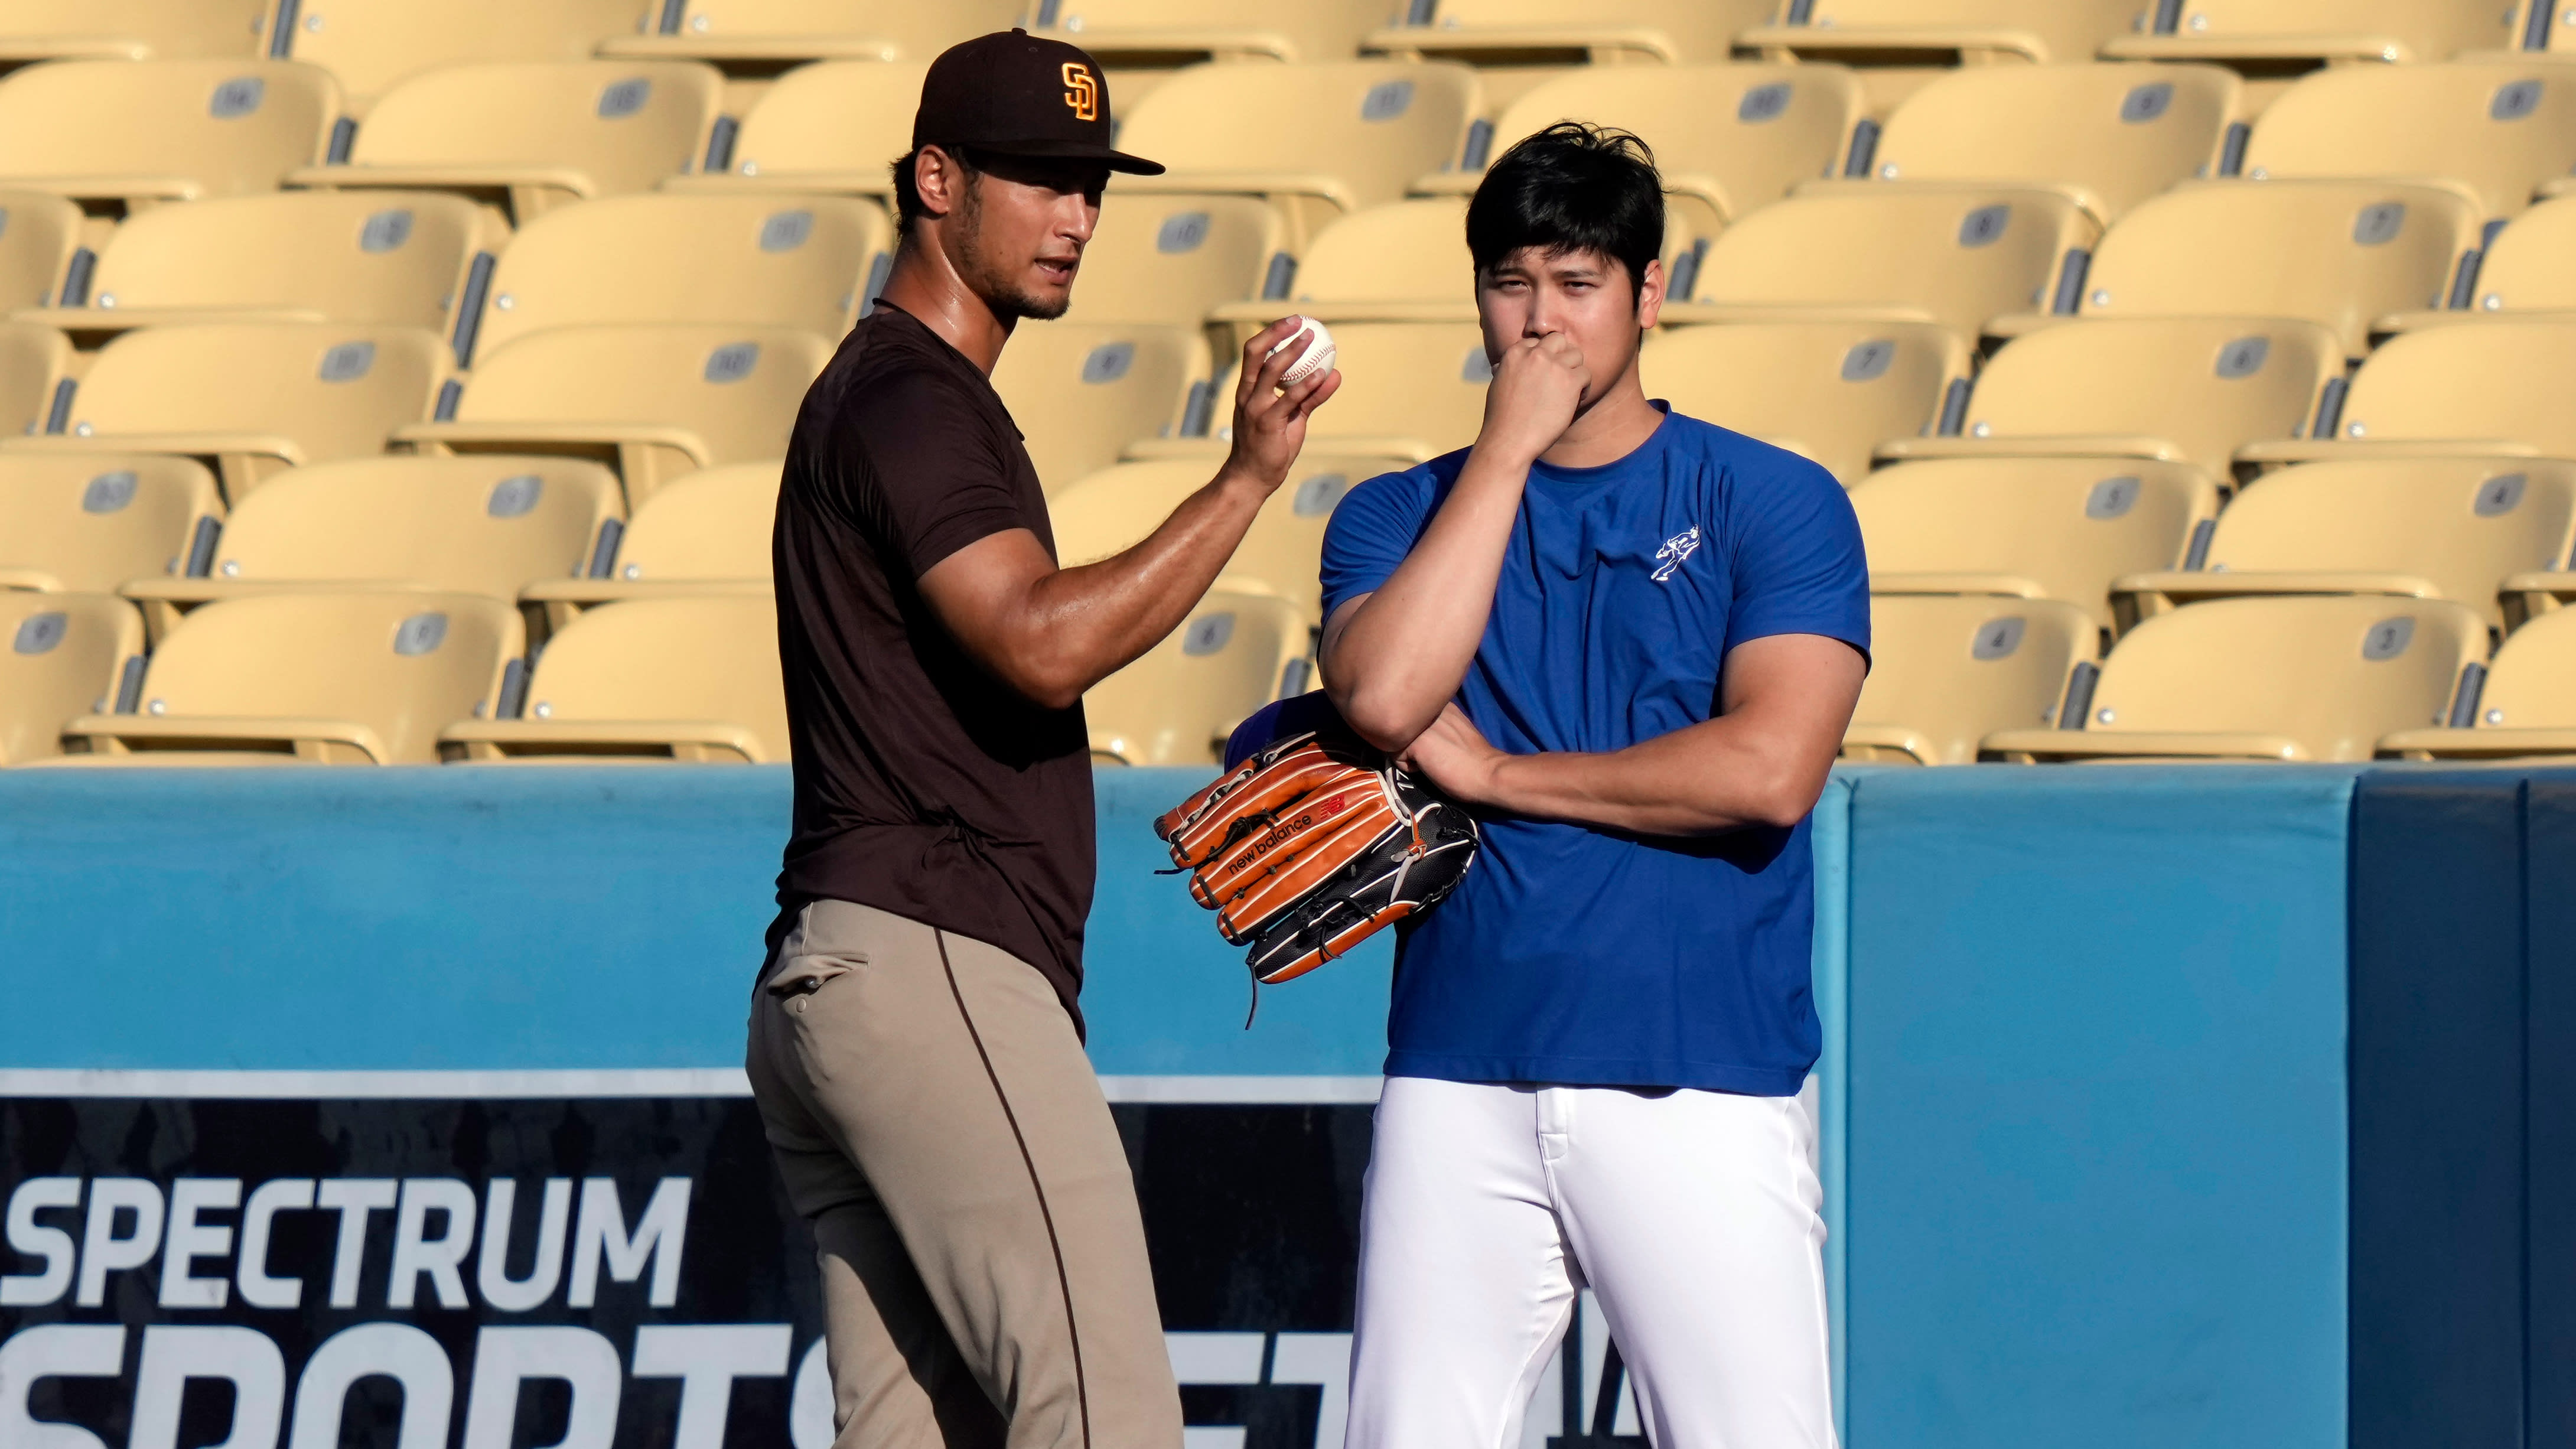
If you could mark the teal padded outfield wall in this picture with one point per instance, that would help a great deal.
(2088, 1155)
(2097, 1135)
(523, 919)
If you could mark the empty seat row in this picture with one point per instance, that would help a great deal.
(650, 401)
(413, 675)
(2135, 538)
(2345, 678)
(654, 402)
(2118, 541)
(527, 135)
(418, 676)
(426, 259)
(369, 45)
(520, 136)
(387, 677)
(255, 398)
(552, 532)
(2253, 394)
(1730, 138)
(2361, 258)
(372, 41)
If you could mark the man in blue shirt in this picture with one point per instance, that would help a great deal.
(1631, 641)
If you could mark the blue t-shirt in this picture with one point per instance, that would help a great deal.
(1582, 956)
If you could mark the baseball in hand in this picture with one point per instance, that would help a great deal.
(1319, 354)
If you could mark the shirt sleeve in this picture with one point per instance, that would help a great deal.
(1373, 528)
(1798, 564)
(930, 476)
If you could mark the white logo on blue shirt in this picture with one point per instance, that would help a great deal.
(1676, 548)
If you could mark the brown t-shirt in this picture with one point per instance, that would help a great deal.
(924, 786)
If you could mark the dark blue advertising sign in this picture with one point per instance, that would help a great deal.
(589, 1272)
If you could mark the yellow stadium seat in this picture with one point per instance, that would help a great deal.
(2529, 594)
(372, 44)
(37, 30)
(1176, 705)
(835, 126)
(743, 260)
(689, 679)
(68, 655)
(1173, 259)
(531, 135)
(346, 678)
(2526, 706)
(486, 525)
(35, 394)
(2495, 129)
(654, 401)
(1282, 553)
(402, 259)
(2033, 528)
(1362, 130)
(2425, 528)
(1953, 256)
(1828, 390)
(1404, 261)
(1946, 672)
(1727, 138)
(1082, 392)
(40, 234)
(704, 533)
(114, 133)
(2109, 136)
(253, 397)
(2183, 389)
(87, 524)
(1937, 31)
(1542, 32)
(2493, 390)
(2268, 679)
(1130, 34)
(763, 37)
(2522, 275)
(2340, 254)
(2273, 34)
(2538, 27)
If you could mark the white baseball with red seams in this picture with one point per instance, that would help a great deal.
(1319, 353)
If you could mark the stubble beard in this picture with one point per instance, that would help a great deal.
(989, 278)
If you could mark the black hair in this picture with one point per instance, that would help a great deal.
(907, 196)
(1574, 187)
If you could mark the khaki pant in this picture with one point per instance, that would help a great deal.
(983, 1259)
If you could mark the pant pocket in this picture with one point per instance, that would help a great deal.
(806, 965)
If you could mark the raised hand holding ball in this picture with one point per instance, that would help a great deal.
(1319, 355)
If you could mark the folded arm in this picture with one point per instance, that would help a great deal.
(1785, 701)
(1393, 657)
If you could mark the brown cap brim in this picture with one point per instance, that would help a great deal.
(1075, 151)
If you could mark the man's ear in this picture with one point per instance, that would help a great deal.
(1650, 295)
(939, 180)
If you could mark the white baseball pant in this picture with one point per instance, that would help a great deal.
(1692, 1215)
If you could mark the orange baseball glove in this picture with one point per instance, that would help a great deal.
(1312, 845)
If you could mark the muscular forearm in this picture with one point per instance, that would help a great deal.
(1052, 633)
(1713, 777)
(1761, 761)
(1074, 627)
(1399, 653)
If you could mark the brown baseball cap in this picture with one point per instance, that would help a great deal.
(1021, 95)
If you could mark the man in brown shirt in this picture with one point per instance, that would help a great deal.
(915, 1043)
